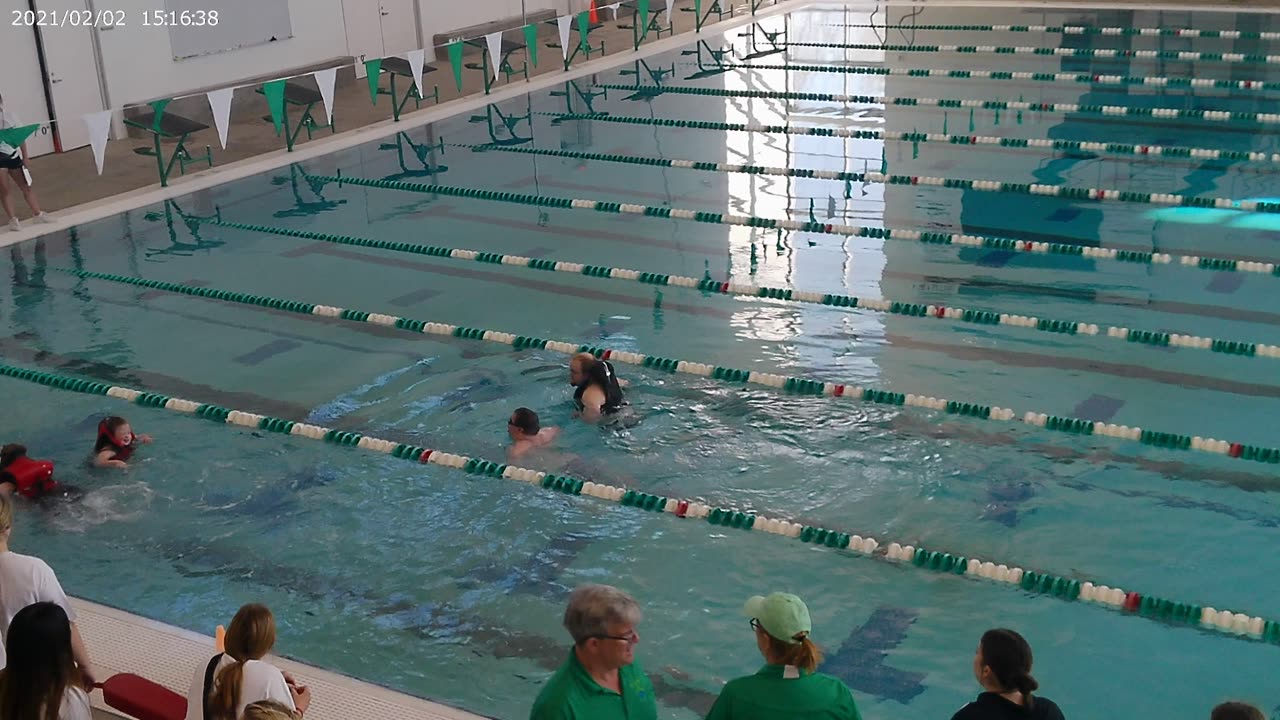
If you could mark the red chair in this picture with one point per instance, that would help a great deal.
(143, 699)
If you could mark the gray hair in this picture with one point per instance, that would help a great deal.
(593, 607)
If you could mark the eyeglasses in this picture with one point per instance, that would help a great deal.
(755, 624)
(632, 638)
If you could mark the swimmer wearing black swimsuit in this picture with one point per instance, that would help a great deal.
(587, 372)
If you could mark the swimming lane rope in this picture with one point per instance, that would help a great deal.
(973, 104)
(1121, 149)
(813, 226)
(1098, 53)
(1166, 610)
(1086, 78)
(992, 186)
(1085, 30)
(905, 309)
(797, 385)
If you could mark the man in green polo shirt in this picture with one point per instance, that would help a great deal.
(787, 686)
(601, 679)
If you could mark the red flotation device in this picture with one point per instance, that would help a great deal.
(33, 477)
(107, 440)
(140, 698)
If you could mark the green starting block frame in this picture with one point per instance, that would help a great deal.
(170, 127)
(700, 18)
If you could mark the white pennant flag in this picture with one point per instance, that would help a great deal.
(614, 7)
(416, 58)
(324, 81)
(220, 104)
(494, 40)
(99, 128)
(563, 23)
(670, 3)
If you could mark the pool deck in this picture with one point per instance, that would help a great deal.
(119, 642)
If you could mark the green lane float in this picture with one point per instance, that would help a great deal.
(1238, 625)
(795, 385)
(1085, 30)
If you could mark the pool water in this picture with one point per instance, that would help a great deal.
(451, 587)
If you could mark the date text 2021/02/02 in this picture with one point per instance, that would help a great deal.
(113, 18)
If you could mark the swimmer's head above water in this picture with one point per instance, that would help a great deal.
(599, 391)
(523, 424)
(116, 442)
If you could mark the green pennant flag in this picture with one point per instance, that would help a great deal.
(158, 106)
(14, 137)
(642, 10)
(584, 29)
(531, 42)
(274, 92)
(944, 122)
(374, 68)
(697, 9)
(455, 60)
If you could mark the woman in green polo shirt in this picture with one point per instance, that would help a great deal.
(787, 686)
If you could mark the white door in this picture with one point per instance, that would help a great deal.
(23, 91)
(364, 31)
(73, 74)
(399, 27)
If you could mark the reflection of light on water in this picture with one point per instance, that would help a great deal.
(1240, 219)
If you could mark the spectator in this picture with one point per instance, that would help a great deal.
(269, 710)
(239, 677)
(601, 679)
(42, 681)
(13, 163)
(1002, 665)
(25, 580)
(1236, 711)
(787, 686)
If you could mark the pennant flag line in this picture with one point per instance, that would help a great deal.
(325, 80)
(99, 124)
(220, 105)
(416, 59)
(563, 23)
(494, 41)
(274, 92)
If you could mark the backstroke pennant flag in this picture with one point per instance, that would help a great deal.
(274, 92)
(374, 68)
(670, 4)
(642, 12)
(14, 137)
(455, 60)
(416, 58)
(220, 104)
(531, 42)
(325, 80)
(584, 30)
(99, 124)
(614, 7)
(563, 23)
(494, 41)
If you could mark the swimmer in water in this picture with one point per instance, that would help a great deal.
(527, 433)
(32, 479)
(599, 392)
(116, 443)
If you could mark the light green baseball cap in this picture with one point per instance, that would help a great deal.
(781, 615)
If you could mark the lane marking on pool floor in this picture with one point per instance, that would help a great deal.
(1081, 30)
(813, 226)
(1015, 105)
(1058, 52)
(796, 385)
(708, 285)
(1091, 79)
(1116, 149)
(1238, 625)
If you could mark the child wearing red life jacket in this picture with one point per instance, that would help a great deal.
(29, 478)
(116, 443)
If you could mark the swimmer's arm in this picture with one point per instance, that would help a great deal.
(6, 488)
(517, 451)
(590, 413)
(107, 458)
(144, 438)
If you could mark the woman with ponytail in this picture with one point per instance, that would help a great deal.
(239, 677)
(41, 681)
(787, 686)
(1002, 665)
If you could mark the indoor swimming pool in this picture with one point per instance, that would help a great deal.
(451, 585)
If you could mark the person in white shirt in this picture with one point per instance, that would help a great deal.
(12, 161)
(239, 677)
(42, 681)
(25, 580)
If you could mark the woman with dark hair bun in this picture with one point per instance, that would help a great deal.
(1002, 666)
